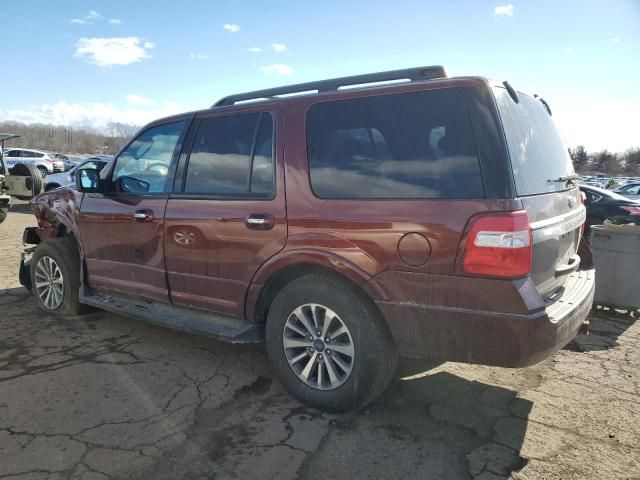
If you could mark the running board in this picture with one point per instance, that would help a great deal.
(213, 325)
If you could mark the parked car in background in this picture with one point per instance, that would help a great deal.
(605, 204)
(66, 160)
(401, 229)
(630, 190)
(45, 162)
(67, 179)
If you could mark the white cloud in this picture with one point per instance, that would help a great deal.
(278, 69)
(231, 27)
(254, 49)
(88, 19)
(115, 21)
(503, 10)
(135, 99)
(279, 47)
(198, 56)
(106, 52)
(92, 114)
(93, 15)
(615, 40)
(568, 50)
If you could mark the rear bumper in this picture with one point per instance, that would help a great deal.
(442, 333)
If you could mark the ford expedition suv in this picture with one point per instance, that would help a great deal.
(436, 218)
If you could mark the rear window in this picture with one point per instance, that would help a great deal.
(537, 152)
(410, 145)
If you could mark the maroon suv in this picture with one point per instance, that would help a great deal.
(436, 218)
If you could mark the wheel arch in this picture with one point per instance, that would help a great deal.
(274, 275)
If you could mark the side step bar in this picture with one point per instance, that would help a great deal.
(213, 325)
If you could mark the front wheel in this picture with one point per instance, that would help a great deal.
(329, 344)
(55, 276)
(3, 214)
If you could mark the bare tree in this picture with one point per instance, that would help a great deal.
(59, 138)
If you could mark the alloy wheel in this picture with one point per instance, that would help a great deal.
(49, 283)
(318, 346)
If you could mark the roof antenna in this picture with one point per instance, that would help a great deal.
(512, 92)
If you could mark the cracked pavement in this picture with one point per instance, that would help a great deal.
(107, 397)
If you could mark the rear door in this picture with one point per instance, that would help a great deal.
(227, 213)
(122, 229)
(540, 163)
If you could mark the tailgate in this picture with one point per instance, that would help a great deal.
(556, 220)
(544, 180)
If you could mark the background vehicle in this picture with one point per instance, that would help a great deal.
(607, 205)
(67, 179)
(630, 190)
(411, 222)
(68, 161)
(23, 181)
(45, 162)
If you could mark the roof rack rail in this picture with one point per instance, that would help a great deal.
(412, 74)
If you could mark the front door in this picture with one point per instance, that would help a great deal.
(227, 213)
(122, 229)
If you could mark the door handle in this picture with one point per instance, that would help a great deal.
(143, 216)
(260, 221)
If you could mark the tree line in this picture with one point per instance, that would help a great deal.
(57, 138)
(604, 161)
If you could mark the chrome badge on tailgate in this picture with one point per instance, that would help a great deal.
(558, 226)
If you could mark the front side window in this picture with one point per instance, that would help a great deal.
(232, 156)
(144, 166)
(409, 145)
(12, 153)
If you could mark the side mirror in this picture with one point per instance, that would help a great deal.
(87, 180)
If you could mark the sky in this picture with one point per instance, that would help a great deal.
(91, 62)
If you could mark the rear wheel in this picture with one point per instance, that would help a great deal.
(55, 277)
(3, 214)
(43, 171)
(329, 344)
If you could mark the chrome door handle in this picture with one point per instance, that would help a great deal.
(260, 221)
(143, 216)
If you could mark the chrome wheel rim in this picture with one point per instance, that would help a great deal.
(49, 283)
(318, 346)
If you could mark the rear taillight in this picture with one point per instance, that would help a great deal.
(498, 245)
(631, 210)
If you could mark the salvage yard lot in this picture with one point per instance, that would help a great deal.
(107, 397)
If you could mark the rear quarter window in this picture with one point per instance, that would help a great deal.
(409, 145)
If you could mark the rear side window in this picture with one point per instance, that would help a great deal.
(409, 145)
(537, 152)
(232, 156)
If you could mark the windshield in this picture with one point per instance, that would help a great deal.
(537, 152)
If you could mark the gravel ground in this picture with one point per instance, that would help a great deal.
(106, 397)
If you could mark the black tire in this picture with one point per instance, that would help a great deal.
(64, 252)
(43, 171)
(25, 170)
(3, 214)
(374, 359)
